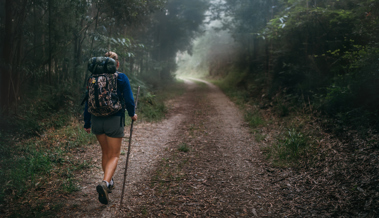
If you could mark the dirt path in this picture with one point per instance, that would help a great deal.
(149, 143)
(222, 175)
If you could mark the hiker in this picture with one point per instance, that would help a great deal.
(109, 129)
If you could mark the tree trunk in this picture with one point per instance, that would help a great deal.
(131, 65)
(50, 43)
(141, 65)
(93, 36)
(7, 58)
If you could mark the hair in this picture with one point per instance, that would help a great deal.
(112, 54)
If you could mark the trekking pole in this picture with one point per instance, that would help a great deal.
(127, 156)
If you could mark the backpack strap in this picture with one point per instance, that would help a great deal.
(86, 96)
(97, 92)
(122, 119)
(105, 65)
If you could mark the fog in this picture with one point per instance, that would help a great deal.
(214, 45)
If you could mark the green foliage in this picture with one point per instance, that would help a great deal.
(289, 147)
(69, 185)
(231, 85)
(151, 107)
(254, 119)
(241, 97)
(183, 147)
(322, 54)
(290, 144)
(24, 163)
(353, 97)
(41, 110)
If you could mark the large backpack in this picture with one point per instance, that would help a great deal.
(102, 87)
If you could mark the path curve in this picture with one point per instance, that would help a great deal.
(235, 178)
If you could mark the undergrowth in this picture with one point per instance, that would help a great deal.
(32, 164)
(242, 97)
(151, 106)
(289, 146)
(254, 119)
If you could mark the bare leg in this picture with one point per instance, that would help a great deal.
(111, 148)
(104, 145)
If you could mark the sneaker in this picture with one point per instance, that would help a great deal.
(103, 191)
(111, 187)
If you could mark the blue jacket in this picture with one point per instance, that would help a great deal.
(123, 86)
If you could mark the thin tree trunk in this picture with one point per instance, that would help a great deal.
(7, 57)
(43, 37)
(93, 36)
(110, 36)
(50, 38)
(34, 29)
(131, 65)
(141, 65)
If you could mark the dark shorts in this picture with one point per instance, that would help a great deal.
(109, 126)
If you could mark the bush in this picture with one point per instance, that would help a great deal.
(356, 94)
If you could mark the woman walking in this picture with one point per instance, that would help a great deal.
(109, 131)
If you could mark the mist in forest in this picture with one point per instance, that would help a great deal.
(214, 46)
(325, 51)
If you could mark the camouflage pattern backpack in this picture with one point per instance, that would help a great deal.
(102, 87)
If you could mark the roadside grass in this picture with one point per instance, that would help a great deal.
(241, 97)
(285, 148)
(288, 148)
(254, 119)
(259, 136)
(40, 163)
(151, 105)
